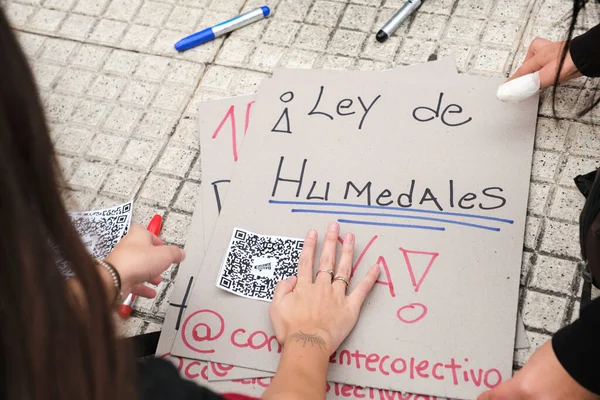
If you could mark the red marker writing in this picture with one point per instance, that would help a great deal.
(125, 308)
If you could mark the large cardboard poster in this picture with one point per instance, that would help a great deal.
(433, 180)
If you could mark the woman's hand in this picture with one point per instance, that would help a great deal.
(544, 56)
(141, 257)
(311, 319)
(542, 377)
(320, 313)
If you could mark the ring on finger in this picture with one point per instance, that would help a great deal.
(342, 279)
(330, 272)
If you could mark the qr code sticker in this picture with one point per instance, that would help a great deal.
(124, 208)
(121, 209)
(254, 263)
(99, 234)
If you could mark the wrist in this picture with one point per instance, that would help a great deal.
(117, 264)
(302, 370)
(111, 279)
(314, 340)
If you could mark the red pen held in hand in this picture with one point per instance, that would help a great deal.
(125, 308)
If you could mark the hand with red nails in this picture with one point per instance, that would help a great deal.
(312, 317)
(141, 257)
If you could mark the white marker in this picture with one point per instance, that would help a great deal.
(519, 89)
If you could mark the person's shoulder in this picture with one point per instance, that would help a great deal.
(158, 379)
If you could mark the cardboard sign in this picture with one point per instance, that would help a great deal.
(221, 140)
(198, 372)
(224, 125)
(434, 184)
(188, 269)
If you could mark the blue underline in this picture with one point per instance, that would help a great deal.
(431, 228)
(366, 214)
(405, 209)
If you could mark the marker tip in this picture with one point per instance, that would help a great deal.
(381, 36)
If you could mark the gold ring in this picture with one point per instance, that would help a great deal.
(341, 278)
(330, 272)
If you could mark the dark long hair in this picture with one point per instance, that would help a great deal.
(578, 8)
(54, 345)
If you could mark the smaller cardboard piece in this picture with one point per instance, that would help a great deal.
(222, 125)
(186, 273)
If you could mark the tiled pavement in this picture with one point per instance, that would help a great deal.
(123, 104)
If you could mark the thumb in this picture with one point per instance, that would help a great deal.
(505, 391)
(156, 241)
(283, 288)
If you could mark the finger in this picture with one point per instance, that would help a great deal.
(170, 254)
(345, 265)
(359, 294)
(533, 50)
(143, 291)
(484, 396)
(283, 288)
(307, 257)
(535, 46)
(138, 234)
(530, 66)
(137, 231)
(505, 391)
(156, 241)
(327, 260)
(156, 281)
(164, 256)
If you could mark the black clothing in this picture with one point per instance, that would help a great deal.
(585, 52)
(576, 347)
(158, 379)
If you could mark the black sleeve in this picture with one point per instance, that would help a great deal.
(585, 52)
(158, 379)
(577, 347)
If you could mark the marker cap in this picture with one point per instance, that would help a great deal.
(266, 11)
(194, 40)
(124, 311)
(155, 224)
(381, 36)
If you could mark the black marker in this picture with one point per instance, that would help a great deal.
(397, 20)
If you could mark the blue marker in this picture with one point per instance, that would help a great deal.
(208, 34)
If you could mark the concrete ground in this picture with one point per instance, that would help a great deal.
(122, 105)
